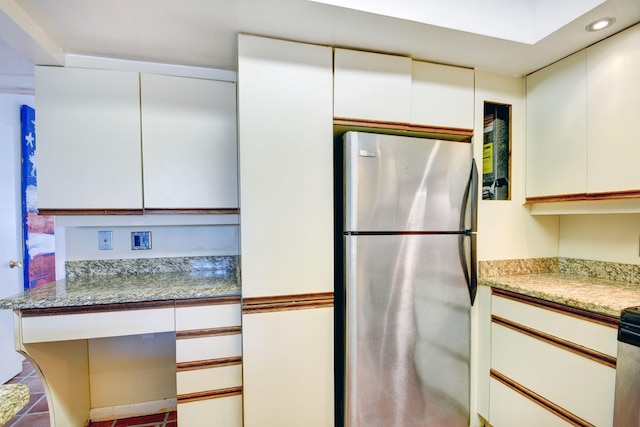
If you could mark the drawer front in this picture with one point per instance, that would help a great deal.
(573, 329)
(580, 385)
(509, 408)
(208, 316)
(213, 378)
(62, 327)
(209, 347)
(221, 411)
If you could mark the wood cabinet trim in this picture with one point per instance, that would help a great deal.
(596, 356)
(105, 211)
(287, 302)
(600, 319)
(457, 133)
(200, 302)
(199, 211)
(581, 197)
(539, 400)
(211, 363)
(213, 332)
(211, 394)
(101, 308)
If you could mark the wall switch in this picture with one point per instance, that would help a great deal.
(105, 240)
(140, 240)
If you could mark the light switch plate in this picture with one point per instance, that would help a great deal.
(105, 240)
(140, 240)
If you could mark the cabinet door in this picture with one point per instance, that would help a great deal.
(441, 95)
(286, 167)
(614, 111)
(189, 143)
(557, 128)
(509, 408)
(372, 86)
(288, 368)
(88, 147)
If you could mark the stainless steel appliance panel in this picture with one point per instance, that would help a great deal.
(407, 332)
(396, 183)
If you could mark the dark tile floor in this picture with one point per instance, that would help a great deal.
(36, 412)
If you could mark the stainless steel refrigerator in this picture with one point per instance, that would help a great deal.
(408, 272)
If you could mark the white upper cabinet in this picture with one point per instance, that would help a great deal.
(581, 123)
(88, 139)
(614, 111)
(286, 167)
(188, 143)
(557, 128)
(103, 133)
(371, 86)
(442, 95)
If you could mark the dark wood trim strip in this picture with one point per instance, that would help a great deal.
(600, 319)
(287, 302)
(596, 356)
(402, 127)
(195, 302)
(541, 401)
(581, 197)
(212, 394)
(211, 363)
(107, 211)
(99, 308)
(213, 332)
(203, 211)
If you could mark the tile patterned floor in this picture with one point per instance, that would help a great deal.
(36, 412)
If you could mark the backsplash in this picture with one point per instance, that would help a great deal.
(578, 267)
(112, 267)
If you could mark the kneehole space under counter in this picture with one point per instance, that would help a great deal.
(180, 331)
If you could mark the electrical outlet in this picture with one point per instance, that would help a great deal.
(140, 240)
(105, 240)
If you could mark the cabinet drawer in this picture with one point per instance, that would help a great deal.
(508, 405)
(583, 332)
(99, 324)
(580, 385)
(207, 316)
(213, 378)
(209, 347)
(221, 411)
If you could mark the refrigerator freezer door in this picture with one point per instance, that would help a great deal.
(407, 332)
(395, 183)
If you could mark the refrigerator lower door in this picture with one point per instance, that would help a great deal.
(407, 332)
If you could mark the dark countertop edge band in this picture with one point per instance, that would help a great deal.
(561, 308)
(97, 307)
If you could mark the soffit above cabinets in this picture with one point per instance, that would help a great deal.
(507, 36)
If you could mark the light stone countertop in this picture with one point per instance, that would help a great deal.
(126, 288)
(13, 397)
(602, 296)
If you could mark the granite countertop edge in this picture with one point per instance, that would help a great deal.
(121, 289)
(600, 296)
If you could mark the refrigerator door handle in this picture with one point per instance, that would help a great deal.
(470, 269)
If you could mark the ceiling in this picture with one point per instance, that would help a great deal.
(202, 33)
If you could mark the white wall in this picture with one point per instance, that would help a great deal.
(611, 238)
(166, 241)
(506, 230)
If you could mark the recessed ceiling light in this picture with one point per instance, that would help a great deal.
(600, 24)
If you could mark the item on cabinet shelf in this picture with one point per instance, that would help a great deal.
(496, 152)
(627, 400)
(409, 208)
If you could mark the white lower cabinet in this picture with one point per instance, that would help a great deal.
(209, 364)
(288, 368)
(550, 368)
(509, 407)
